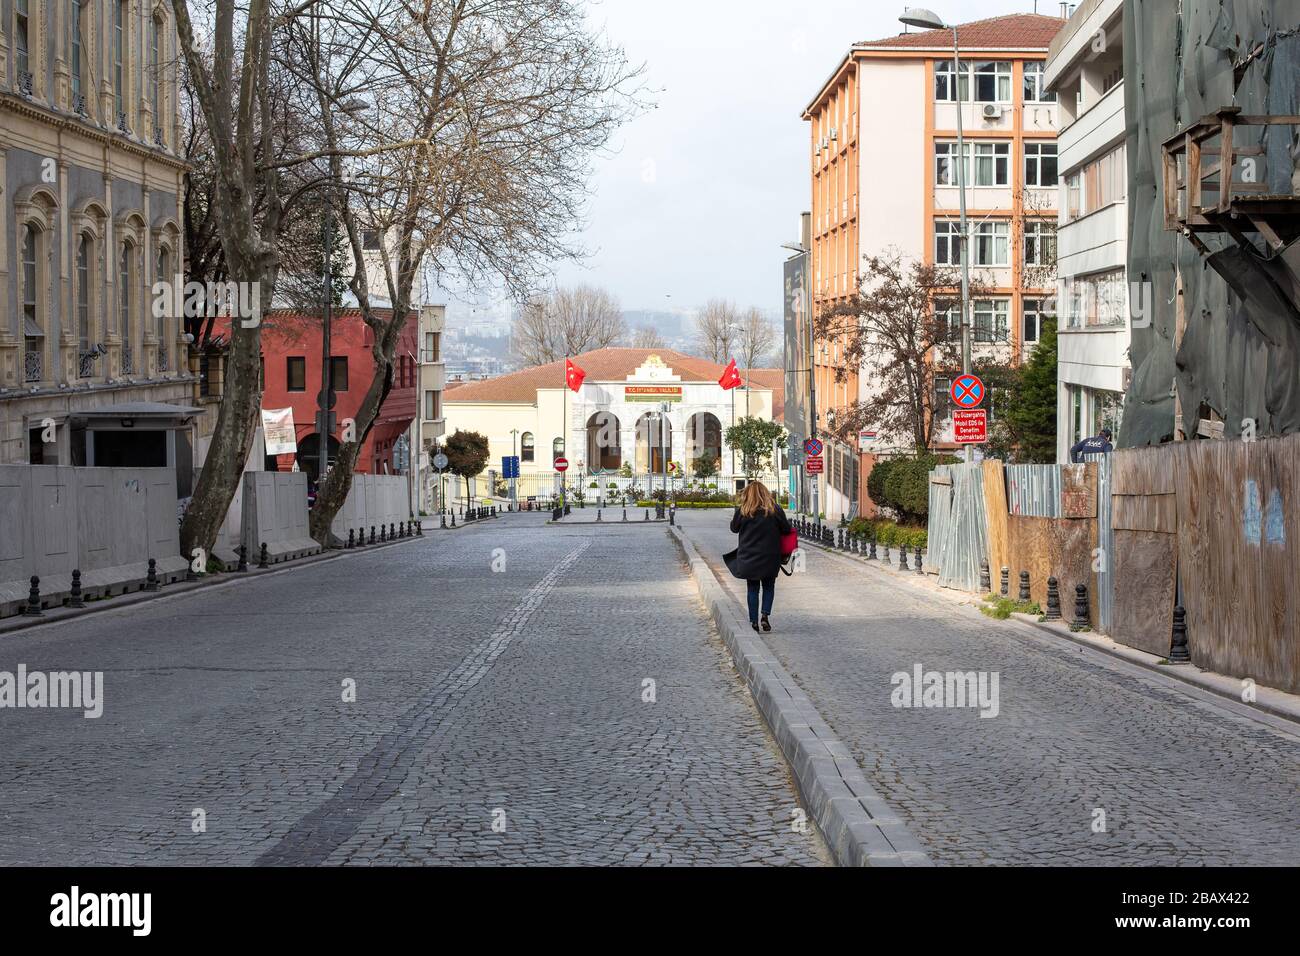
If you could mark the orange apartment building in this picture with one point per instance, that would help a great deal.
(882, 150)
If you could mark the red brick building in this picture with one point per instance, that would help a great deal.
(291, 370)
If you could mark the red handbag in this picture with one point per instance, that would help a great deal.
(789, 543)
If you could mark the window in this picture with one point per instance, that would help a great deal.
(433, 406)
(942, 395)
(83, 293)
(339, 373)
(947, 312)
(1098, 184)
(992, 239)
(119, 57)
(1032, 321)
(987, 164)
(526, 447)
(945, 82)
(991, 319)
(992, 81)
(432, 343)
(1073, 197)
(557, 449)
(33, 320)
(1040, 164)
(1033, 85)
(947, 242)
(295, 374)
(1097, 300)
(1040, 242)
(155, 68)
(23, 28)
(78, 103)
(125, 284)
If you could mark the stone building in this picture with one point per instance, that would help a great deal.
(91, 180)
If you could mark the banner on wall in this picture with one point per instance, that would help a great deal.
(277, 427)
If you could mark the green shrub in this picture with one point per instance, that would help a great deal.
(890, 532)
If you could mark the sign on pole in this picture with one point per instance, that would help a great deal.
(815, 464)
(561, 465)
(867, 439)
(440, 461)
(970, 426)
(967, 390)
(812, 447)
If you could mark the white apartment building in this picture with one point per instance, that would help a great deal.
(1085, 67)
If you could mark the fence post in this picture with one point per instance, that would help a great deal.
(1053, 600)
(986, 582)
(1178, 653)
(1024, 586)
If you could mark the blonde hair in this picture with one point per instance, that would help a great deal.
(755, 497)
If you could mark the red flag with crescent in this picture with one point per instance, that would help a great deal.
(573, 375)
(730, 376)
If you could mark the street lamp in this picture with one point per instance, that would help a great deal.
(928, 20)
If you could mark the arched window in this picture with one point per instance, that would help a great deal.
(557, 449)
(526, 451)
(125, 293)
(163, 274)
(83, 302)
(32, 306)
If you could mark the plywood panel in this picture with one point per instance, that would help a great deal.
(1053, 547)
(1079, 490)
(1145, 563)
(1142, 471)
(995, 509)
(1145, 513)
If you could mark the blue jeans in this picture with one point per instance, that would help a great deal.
(769, 592)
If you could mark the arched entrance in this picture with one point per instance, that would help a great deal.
(604, 448)
(654, 443)
(703, 437)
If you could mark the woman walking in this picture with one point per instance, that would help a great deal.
(762, 525)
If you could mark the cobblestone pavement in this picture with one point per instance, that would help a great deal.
(1181, 775)
(513, 699)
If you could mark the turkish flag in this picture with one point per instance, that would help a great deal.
(730, 376)
(573, 375)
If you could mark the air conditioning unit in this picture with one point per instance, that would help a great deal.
(992, 111)
(833, 134)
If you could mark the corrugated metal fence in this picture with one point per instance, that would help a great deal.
(957, 524)
(1034, 490)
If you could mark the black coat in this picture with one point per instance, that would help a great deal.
(758, 556)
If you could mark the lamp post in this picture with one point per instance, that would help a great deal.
(928, 20)
(514, 453)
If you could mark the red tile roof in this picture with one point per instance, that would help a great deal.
(1015, 31)
(602, 365)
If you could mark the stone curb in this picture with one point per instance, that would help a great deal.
(1269, 700)
(859, 828)
(16, 623)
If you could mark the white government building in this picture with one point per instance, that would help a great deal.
(615, 419)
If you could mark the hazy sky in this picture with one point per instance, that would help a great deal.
(702, 190)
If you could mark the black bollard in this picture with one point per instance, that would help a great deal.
(871, 544)
(442, 519)
(243, 558)
(1024, 586)
(33, 606)
(672, 517)
(647, 514)
(917, 555)
(1178, 652)
(262, 557)
(352, 538)
(419, 529)
(453, 521)
(151, 576)
(1006, 582)
(885, 556)
(625, 516)
(1080, 622)
(76, 599)
(902, 557)
(598, 518)
(1053, 600)
(392, 531)
(986, 583)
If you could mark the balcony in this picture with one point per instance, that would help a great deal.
(1094, 132)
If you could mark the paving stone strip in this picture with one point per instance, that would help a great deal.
(859, 827)
(380, 772)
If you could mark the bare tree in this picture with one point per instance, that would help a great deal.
(757, 337)
(896, 331)
(717, 330)
(647, 337)
(567, 322)
(471, 156)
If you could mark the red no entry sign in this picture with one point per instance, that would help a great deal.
(970, 427)
(561, 464)
(967, 390)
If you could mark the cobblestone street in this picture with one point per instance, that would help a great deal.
(500, 718)
(1183, 776)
